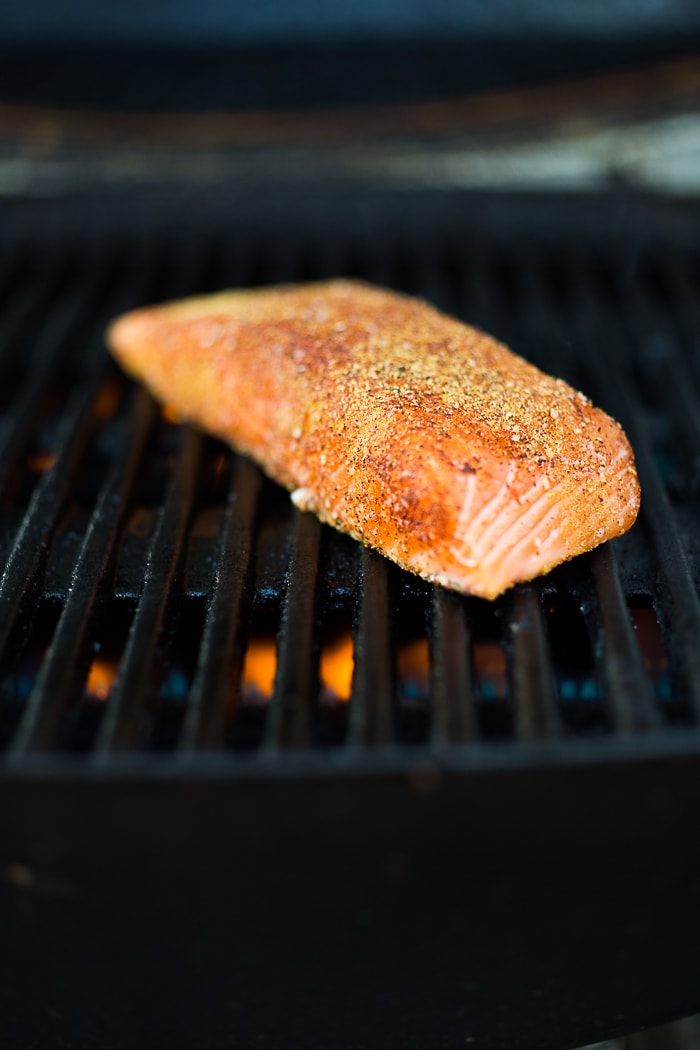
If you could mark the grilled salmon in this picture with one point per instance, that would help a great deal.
(422, 437)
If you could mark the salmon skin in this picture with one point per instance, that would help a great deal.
(422, 437)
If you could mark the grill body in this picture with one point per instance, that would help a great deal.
(504, 854)
(545, 907)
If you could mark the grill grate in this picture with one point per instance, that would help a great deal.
(146, 567)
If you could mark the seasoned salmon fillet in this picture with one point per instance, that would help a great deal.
(416, 434)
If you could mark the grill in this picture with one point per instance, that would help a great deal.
(480, 829)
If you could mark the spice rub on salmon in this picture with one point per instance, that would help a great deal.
(416, 434)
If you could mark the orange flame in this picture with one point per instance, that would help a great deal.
(259, 666)
(336, 669)
(490, 669)
(42, 461)
(413, 667)
(170, 414)
(101, 678)
(219, 465)
(108, 399)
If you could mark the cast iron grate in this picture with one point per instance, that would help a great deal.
(160, 595)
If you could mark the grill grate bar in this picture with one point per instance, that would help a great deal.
(430, 283)
(282, 260)
(27, 303)
(685, 304)
(14, 250)
(454, 718)
(536, 713)
(552, 349)
(665, 368)
(232, 263)
(629, 695)
(477, 292)
(529, 664)
(370, 720)
(74, 432)
(132, 688)
(297, 671)
(61, 327)
(330, 257)
(672, 378)
(678, 599)
(32, 300)
(58, 671)
(220, 656)
(47, 701)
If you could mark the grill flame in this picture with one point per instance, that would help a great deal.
(259, 666)
(413, 670)
(490, 671)
(100, 678)
(41, 462)
(108, 398)
(336, 668)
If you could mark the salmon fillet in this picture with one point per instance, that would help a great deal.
(416, 434)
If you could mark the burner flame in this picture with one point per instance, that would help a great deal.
(259, 666)
(108, 398)
(336, 669)
(490, 670)
(413, 670)
(101, 678)
(41, 462)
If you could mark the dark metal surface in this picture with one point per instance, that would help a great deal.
(501, 851)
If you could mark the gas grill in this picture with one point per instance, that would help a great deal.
(481, 827)
(259, 787)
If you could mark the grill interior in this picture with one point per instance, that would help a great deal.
(160, 595)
